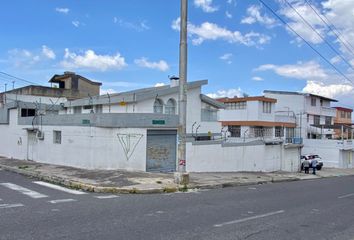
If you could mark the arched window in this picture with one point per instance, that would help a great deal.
(158, 106)
(170, 107)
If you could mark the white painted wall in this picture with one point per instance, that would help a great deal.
(331, 152)
(216, 158)
(84, 147)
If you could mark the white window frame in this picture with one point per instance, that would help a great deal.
(170, 107)
(158, 106)
(267, 107)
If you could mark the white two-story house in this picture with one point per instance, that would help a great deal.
(315, 117)
(250, 118)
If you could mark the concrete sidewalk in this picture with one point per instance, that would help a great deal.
(118, 181)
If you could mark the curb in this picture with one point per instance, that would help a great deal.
(87, 187)
(134, 190)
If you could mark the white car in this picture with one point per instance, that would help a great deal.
(311, 157)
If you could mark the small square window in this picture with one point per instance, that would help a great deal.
(57, 137)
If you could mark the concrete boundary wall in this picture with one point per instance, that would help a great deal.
(334, 153)
(262, 158)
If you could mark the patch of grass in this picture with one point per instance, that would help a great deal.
(23, 167)
(184, 188)
(134, 190)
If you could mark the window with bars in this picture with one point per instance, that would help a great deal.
(235, 131)
(316, 120)
(328, 120)
(279, 132)
(343, 114)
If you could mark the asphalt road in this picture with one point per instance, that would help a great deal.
(313, 209)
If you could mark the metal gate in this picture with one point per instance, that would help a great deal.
(161, 151)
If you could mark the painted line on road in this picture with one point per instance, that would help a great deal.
(249, 218)
(26, 191)
(106, 197)
(60, 188)
(62, 201)
(11, 205)
(346, 196)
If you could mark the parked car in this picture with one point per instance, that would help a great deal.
(310, 158)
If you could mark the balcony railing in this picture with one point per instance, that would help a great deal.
(284, 118)
(294, 140)
(327, 111)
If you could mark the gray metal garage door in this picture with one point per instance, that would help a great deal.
(161, 151)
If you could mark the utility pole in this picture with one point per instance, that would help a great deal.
(182, 177)
(13, 85)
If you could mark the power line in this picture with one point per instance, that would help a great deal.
(324, 39)
(334, 29)
(20, 79)
(314, 49)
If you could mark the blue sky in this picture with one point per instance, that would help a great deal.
(238, 45)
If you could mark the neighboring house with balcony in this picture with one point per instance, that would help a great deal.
(343, 123)
(314, 114)
(250, 118)
(316, 125)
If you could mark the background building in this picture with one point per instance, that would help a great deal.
(343, 123)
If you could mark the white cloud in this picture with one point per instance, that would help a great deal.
(90, 60)
(226, 57)
(109, 91)
(295, 21)
(205, 5)
(160, 65)
(76, 23)
(340, 13)
(139, 27)
(330, 90)
(256, 78)
(254, 15)
(302, 70)
(159, 84)
(228, 15)
(47, 52)
(63, 10)
(23, 58)
(230, 93)
(211, 31)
